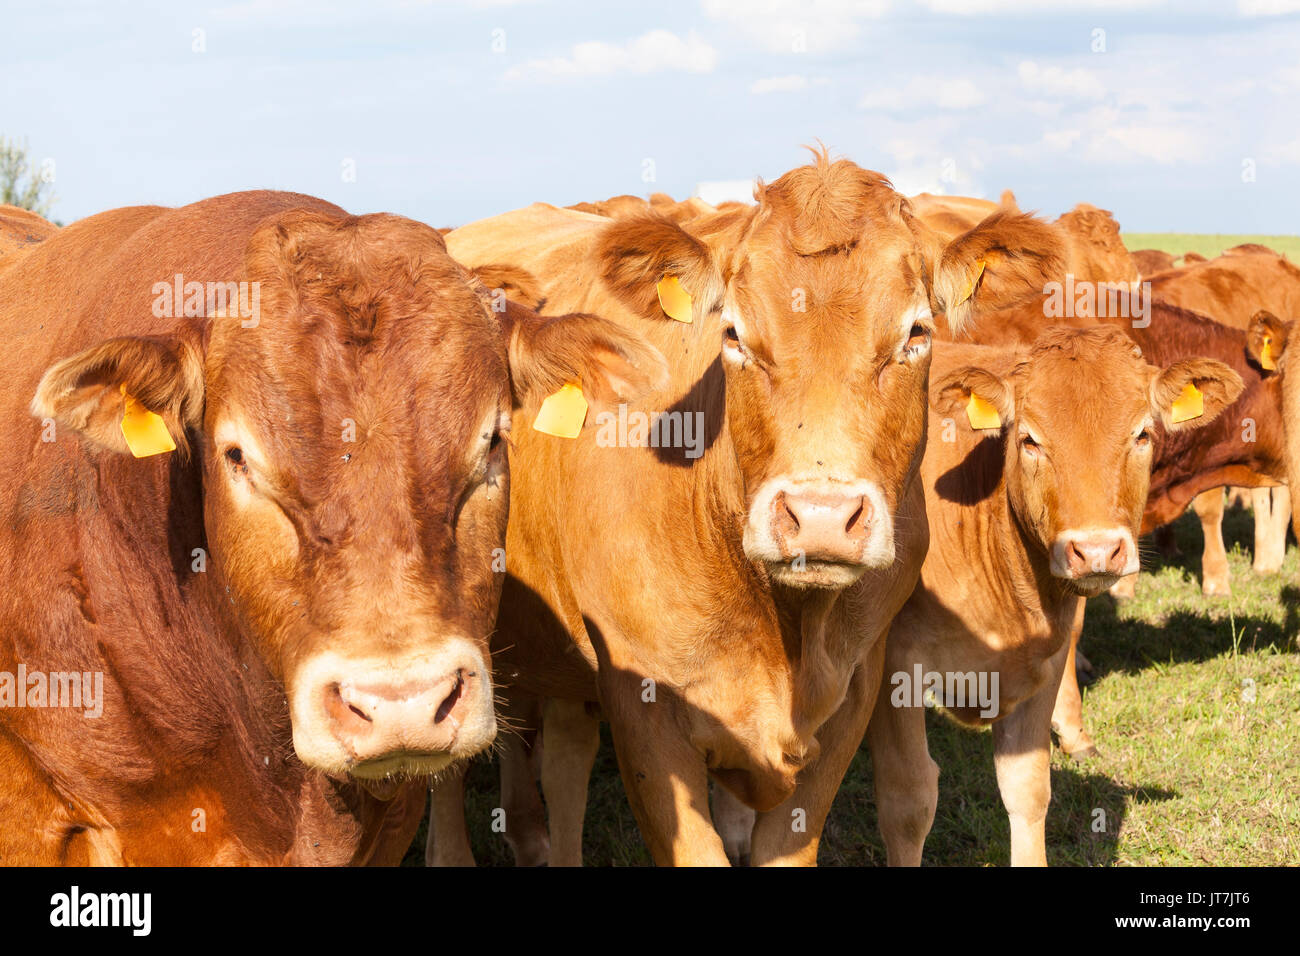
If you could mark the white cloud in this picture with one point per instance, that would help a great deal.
(653, 52)
(1164, 144)
(1060, 140)
(996, 7)
(919, 92)
(798, 26)
(792, 83)
(1267, 8)
(1057, 81)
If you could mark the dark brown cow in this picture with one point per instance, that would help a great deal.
(1232, 288)
(277, 627)
(1032, 510)
(726, 611)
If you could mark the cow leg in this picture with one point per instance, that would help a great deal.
(906, 780)
(525, 818)
(1067, 715)
(570, 740)
(1272, 518)
(734, 822)
(1022, 743)
(664, 776)
(790, 834)
(448, 841)
(1215, 579)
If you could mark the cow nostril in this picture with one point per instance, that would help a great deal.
(451, 700)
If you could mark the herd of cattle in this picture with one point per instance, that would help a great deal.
(280, 558)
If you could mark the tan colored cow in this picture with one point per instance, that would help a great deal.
(726, 611)
(1032, 508)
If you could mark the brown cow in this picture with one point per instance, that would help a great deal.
(1031, 511)
(1151, 261)
(1243, 446)
(726, 611)
(950, 216)
(1267, 338)
(1097, 254)
(19, 229)
(1232, 288)
(309, 570)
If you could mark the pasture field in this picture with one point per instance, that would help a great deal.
(1207, 244)
(1191, 772)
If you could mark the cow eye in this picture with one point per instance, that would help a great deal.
(917, 339)
(235, 456)
(495, 443)
(1029, 445)
(730, 335)
(1143, 438)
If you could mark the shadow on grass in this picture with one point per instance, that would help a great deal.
(970, 823)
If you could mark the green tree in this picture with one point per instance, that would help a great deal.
(20, 186)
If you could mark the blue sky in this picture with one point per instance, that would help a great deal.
(1181, 116)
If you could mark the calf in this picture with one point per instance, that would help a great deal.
(725, 611)
(263, 532)
(1035, 478)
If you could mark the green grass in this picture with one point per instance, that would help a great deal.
(1189, 772)
(1208, 245)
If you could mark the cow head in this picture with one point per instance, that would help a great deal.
(1098, 254)
(1078, 411)
(352, 448)
(822, 298)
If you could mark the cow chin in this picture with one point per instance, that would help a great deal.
(377, 719)
(1091, 585)
(823, 575)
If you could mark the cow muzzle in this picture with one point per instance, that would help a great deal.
(819, 533)
(374, 719)
(1094, 559)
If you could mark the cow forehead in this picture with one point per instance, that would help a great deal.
(1090, 380)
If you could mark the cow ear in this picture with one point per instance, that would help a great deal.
(609, 363)
(975, 397)
(1006, 257)
(640, 257)
(127, 387)
(1266, 339)
(1192, 392)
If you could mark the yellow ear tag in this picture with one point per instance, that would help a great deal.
(674, 300)
(1188, 405)
(982, 414)
(970, 286)
(145, 433)
(562, 413)
(1266, 355)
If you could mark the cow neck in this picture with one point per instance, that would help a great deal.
(1041, 597)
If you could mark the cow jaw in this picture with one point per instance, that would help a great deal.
(379, 718)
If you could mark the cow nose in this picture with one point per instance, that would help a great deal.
(375, 716)
(1095, 554)
(821, 526)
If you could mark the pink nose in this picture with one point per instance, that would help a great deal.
(1096, 554)
(374, 717)
(821, 526)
